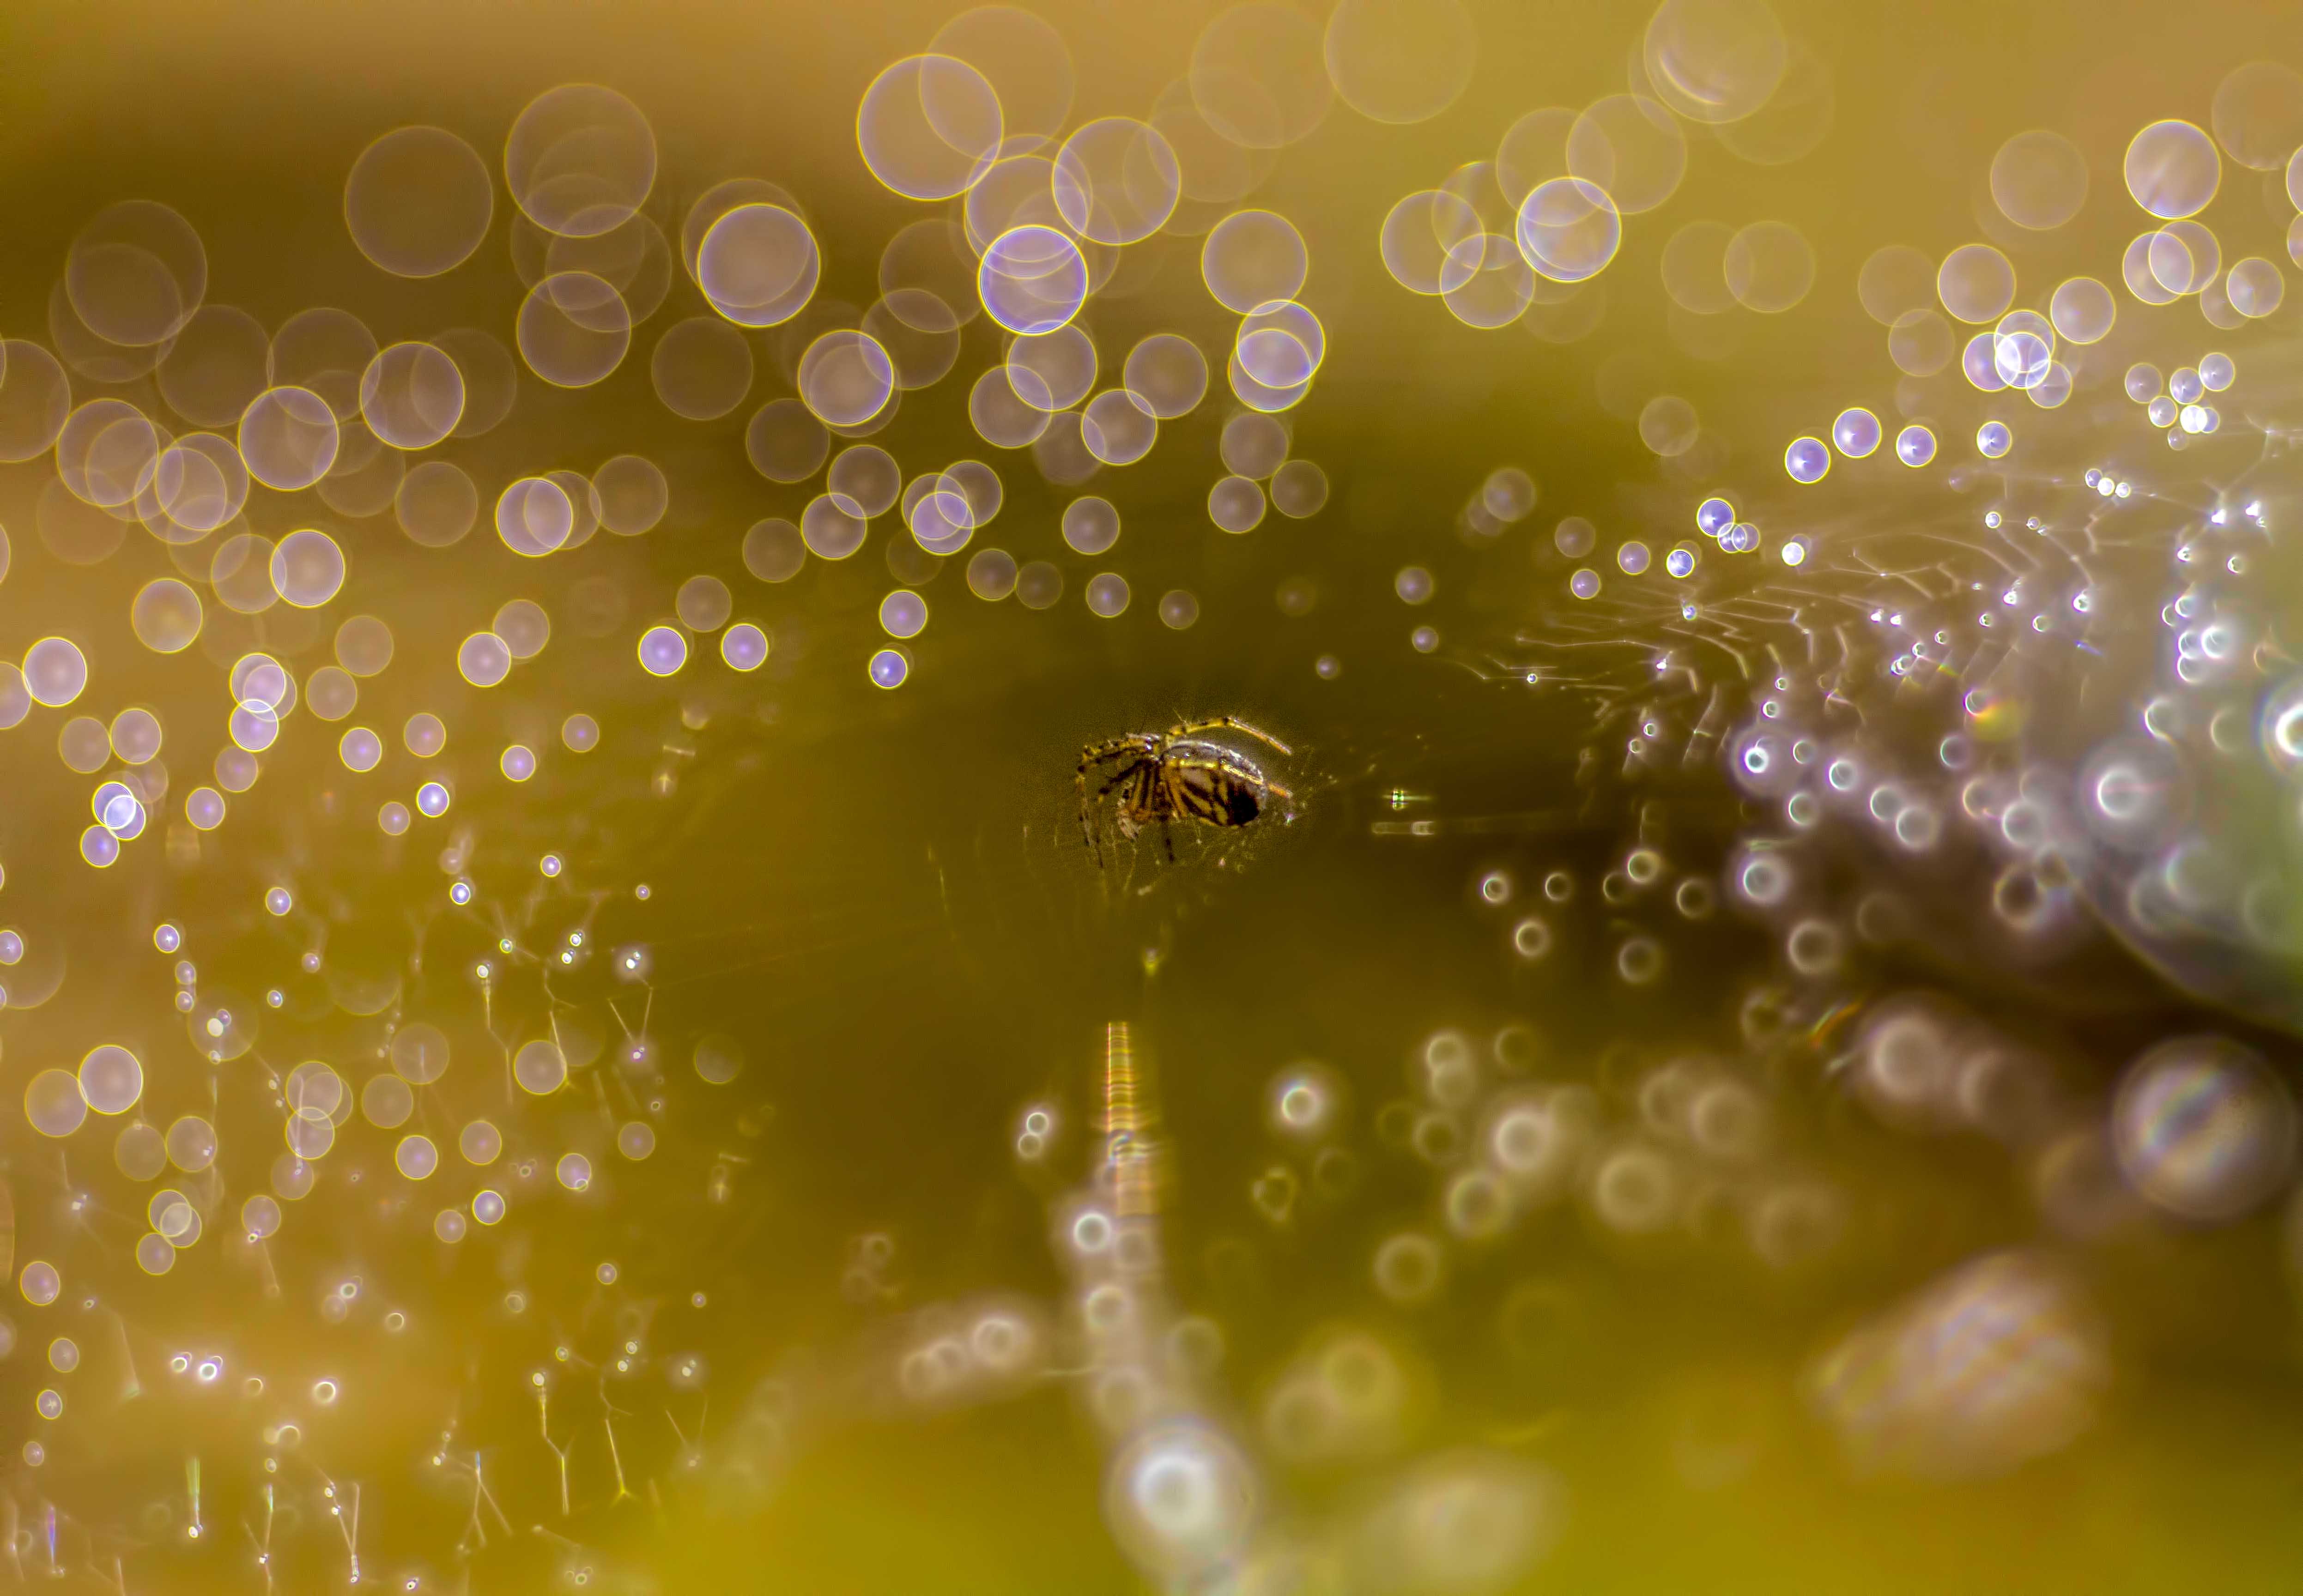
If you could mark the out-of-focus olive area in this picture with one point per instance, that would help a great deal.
(1402, 796)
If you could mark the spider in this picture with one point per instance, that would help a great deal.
(1178, 773)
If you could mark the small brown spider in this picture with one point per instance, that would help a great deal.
(1177, 774)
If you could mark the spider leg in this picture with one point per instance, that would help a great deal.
(1137, 804)
(1225, 723)
(1100, 754)
(1117, 748)
(1165, 799)
(1088, 838)
(1112, 747)
(1231, 767)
